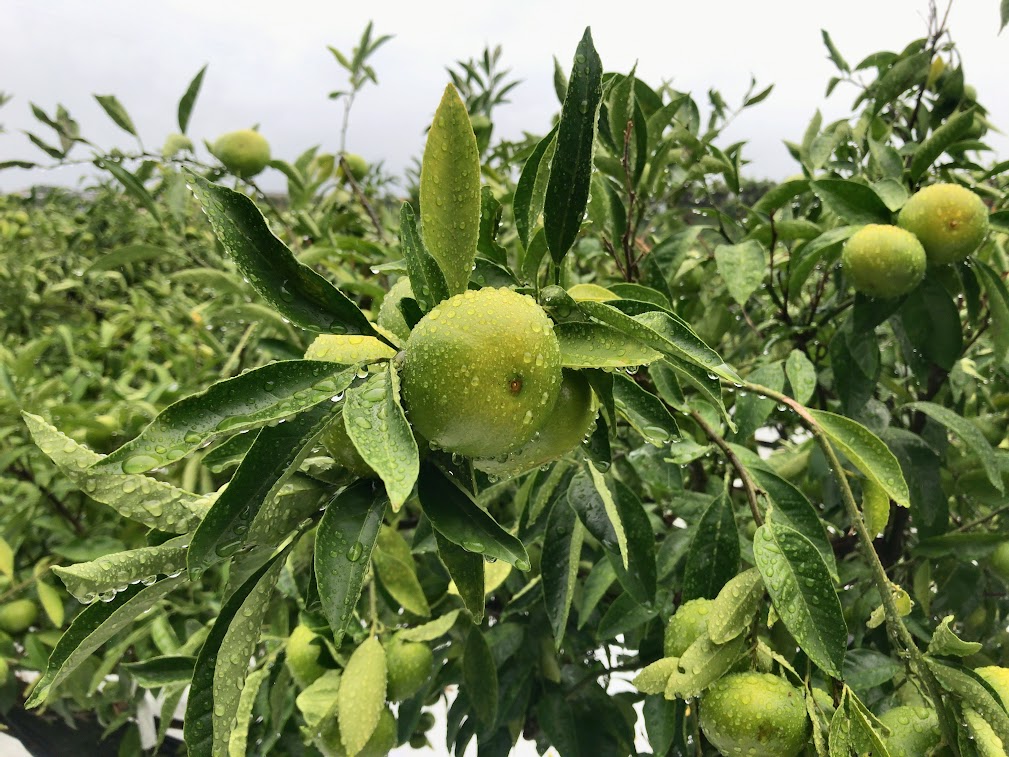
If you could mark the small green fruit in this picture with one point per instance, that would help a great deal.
(914, 731)
(244, 152)
(176, 143)
(949, 220)
(755, 715)
(688, 622)
(302, 655)
(409, 665)
(999, 561)
(18, 616)
(337, 442)
(358, 167)
(883, 261)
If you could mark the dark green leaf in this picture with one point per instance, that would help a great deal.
(939, 141)
(86, 581)
(998, 304)
(426, 279)
(562, 547)
(467, 571)
(156, 672)
(115, 110)
(189, 99)
(853, 202)
(969, 433)
(131, 184)
(480, 678)
(743, 267)
(931, 323)
(529, 192)
(644, 411)
(713, 556)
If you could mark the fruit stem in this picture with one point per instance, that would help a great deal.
(735, 462)
(894, 623)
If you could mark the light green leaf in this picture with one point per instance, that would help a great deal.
(6, 558)
(735, 606)
(51, 602)
(970, 689)
(945, 642)
(155, 672)
(702, 664)
(969, 433)
(743, 267)
(654, 678)
(593, 345)
(951, 131)
(801, 376)
(432, 630)
(645, 412)
(115, 110)
(400, 579)
(86, 581)
(359, 705)
(239, 737)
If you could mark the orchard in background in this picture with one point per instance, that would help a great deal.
(586, 405)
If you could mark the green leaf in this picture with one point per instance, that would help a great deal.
(946, 643)
(562, 548)
(867, 452)
(644, 411)
(86, 581)
(115, 110)
(293, 289)
(531, 188)
(427, 282)
(801, 376)
(189, 99)
(131, 184)
(705, 383)
(713, 556)
(450, 191)
(400, 579)
(223, 663)
(998, 304)
(653, 678)
(803, 594)
(51, 601)
(274, 457)
(343, 545)
(455, 515)
(931, 325)
(255, 398)
(123, 256)
(793, 509)
(361, 699)
(835, 55)
(239, 737)
(853, 202)
(752, 410)
(593, 345)
(6, 558)
(969, 433)
(939, 141)
(467, 571)
(155, 672)
(571, 168)
(153, 503)
(868, 724)
(95, 625)
(735, 606)
(702, 664)
(377, 426)
(900, 77)
(743, 267)
(432, 630)
(480, 679)
(1004, 15)
(973, 691)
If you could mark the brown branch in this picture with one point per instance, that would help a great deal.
(26, 475)
(744, 475)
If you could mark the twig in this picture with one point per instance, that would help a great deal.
(26, 475)
(356, 189)
(744, 475)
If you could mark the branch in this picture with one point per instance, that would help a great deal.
(744, 475)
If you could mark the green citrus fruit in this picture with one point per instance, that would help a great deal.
(949, 220)
(337, 442)
(408, 664)
(914, 731)
(18, 616)
(358, 167)
(883, 261)
(999, 561)
(481, 372)
(998, 679)
(244, 152)
(754, 715)
(569, 421)
(382, 741)
(20, 217)
(176, 143)
(935, 70)
(390, 317)
(302, 656)
(688, 622)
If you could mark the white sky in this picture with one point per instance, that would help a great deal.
(269, 64)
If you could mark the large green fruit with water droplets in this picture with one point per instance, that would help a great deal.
(408, 665)
(382, 741)
(914, 731)
(883, 261)
(481, 372)
(569, 421)
(390, 317)
(949, 220)
(755, 715)
(688, 622)
(302, 655)
(244, 152)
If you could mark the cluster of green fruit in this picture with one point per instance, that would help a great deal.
(940, 224)
(481, 377)
(763, 715)
(15, 224)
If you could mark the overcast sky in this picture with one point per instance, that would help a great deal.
(268, 64)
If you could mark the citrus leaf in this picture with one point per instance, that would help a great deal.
(293, 289)
(450, 191)
(801, 376)
(743, 267)
(803, 594)
(377, 426)
(229, 453)
(359, 706)
(400, 579)
(85, 581)
(95, 625)
(529, 192)
(868, 724)
(427, 282)
(223, 663)
(431, 630)
(455, 515)
(975, 692)
(479, 675)
(952, 131)
(867, 452)
(702, 664)
(273, 458)
(6, 558)
(853, 202)
(707, 384)
(946, 643)
(255, 398)
(645, 412)
(189, 99)
(653, 678)
(131, 184)
(713, 555)
(134, 253)
(115, 110)
(735, 606)
(344, 541)
(153, 503)
(562, 548)
(239, 737)
(155, 672)
(317, 702)
(51, 602)
(969, 433)
(998, 303)
(467, 571)
(593, 345)
(571, 168)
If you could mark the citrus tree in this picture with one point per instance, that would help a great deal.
(614, 416)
